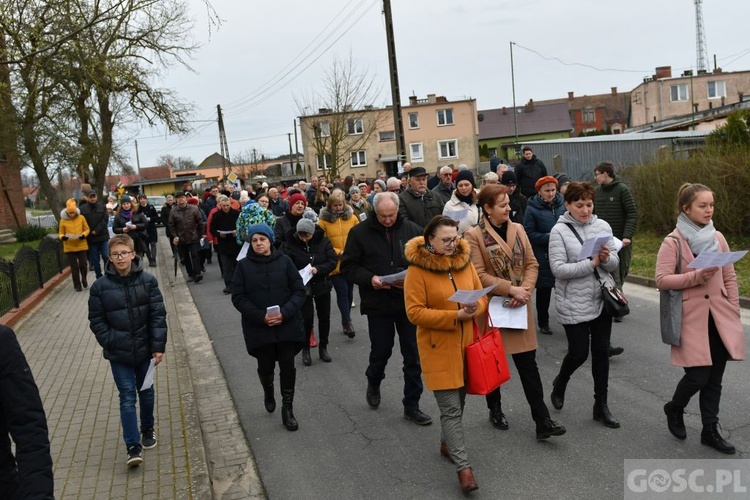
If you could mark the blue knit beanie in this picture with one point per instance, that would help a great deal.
(263, 229)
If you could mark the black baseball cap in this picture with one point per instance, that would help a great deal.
(417, 172)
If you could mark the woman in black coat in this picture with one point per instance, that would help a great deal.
(541, 215)
(268, 291)
(152, 216)
(128, 220)
(309, 245)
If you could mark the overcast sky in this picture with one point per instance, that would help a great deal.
(266, 53)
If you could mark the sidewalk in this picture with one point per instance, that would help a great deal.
(202, 452)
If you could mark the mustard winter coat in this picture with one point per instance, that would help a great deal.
(441, 337)
(73, 225)
(720, 296)
(337, 230)
(514, 341)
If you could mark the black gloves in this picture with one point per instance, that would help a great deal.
(81, 237)
(64, 238)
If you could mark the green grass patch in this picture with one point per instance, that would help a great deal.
(8, 250)
(646, 246)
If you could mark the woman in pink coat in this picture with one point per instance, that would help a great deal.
(711, 328)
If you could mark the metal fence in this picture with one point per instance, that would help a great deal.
(46, 221)
(28, 272)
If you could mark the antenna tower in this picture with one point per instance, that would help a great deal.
(701, 53)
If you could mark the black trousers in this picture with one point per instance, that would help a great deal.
(383, 330)
(79, 266)
(189, 255)
(543, 297)
(227, 263)
(599, 331)
(528, 372)
(323, 305)
(283, 353)
(705, 379)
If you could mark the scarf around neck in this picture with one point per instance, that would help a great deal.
(504, 265)
(700, 238)
(127, 214)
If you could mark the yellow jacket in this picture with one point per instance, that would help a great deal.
(75, 225)
(441, 337)
(337, 230)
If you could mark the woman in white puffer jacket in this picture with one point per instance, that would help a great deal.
(578, 296)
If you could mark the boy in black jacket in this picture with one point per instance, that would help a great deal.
(132, 332)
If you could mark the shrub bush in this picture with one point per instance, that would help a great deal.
(726, 170)
(30, 233)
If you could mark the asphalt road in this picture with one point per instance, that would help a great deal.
(344, 449)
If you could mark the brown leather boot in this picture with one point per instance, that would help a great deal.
(467, 481)
(446, 452)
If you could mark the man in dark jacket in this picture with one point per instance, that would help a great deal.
(224, 229)
(445, 189)
(187, 226)
(97, 218)
(28, 473)
(152, 216)
(275, 203)
(375, 249)
(132, 332)
(529, 170)
(417, 203)
(517, 200)
(168, 205)
(614, 203)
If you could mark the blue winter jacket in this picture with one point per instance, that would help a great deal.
(538, 221)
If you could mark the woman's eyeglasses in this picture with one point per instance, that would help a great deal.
(450, 241)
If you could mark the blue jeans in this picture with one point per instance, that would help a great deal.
(128, 379)
(98, 250)
(382, 337)
(344, 296)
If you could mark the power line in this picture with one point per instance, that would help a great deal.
(590, 66)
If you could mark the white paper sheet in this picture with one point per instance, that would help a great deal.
(225, 232)
(148, 380)
(618, 243)
(243, 251)
(507, 317)
(593, 246)
(73, 236)
(711, 259)
(306, 273)
(392, 278)
(469, 296)
(457, 215)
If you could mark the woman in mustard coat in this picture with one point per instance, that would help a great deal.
(73, 230)
(439, 264)
(711, 331)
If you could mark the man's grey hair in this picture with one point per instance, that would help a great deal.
(221, 199)
(384, 196)
(490, 177)
(393, 182)
(445, 170)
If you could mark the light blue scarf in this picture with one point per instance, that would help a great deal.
(700, 238)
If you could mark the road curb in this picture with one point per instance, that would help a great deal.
(650, 282)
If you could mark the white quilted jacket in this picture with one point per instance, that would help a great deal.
(578, 297)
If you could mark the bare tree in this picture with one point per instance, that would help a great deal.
(345, 123)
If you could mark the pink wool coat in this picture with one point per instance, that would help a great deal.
(720, 296)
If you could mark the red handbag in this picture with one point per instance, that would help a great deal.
(485, 361)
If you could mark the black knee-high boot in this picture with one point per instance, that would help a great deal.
(287, 380)
(267, 382)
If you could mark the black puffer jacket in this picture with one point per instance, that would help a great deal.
(22, 418)
(538, 221)
(127, 315)
(317, 252)
(527, 173)
(262, 281)
(153, 217)
(368, 254)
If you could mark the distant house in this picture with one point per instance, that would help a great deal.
(599, 113)
(534, 121)
(664, 102)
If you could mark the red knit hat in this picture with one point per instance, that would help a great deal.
(547, 179)
(192, 200)
(297, 197)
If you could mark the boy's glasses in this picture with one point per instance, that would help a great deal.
(120, 255)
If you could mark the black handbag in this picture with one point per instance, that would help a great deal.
(615, 302)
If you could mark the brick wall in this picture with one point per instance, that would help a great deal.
(10, 175)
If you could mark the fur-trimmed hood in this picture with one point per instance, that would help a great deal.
(416, 254)
(328, 216)
(65, 215)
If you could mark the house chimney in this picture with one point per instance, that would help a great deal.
(663, 72)
(505, 111)
(431, 98)
(412, 100)
(718, 71)
(530, 105)
(570, 96)
(614, 90)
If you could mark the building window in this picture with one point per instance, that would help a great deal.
(445, 117)
(387, 136)
(679, 92)
(322, 129)
(359, 158)
(355, 126)
(616, 128)
(448, 149)
(323, 161)
(717, 89)
(413, 120)
(417, 155)
(589, 116)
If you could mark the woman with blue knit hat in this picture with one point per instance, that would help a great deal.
(267, 290)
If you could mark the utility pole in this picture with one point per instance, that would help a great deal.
(223, 144)
(395, 92)
(291, 163)
(138, 161)
(515, 112)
